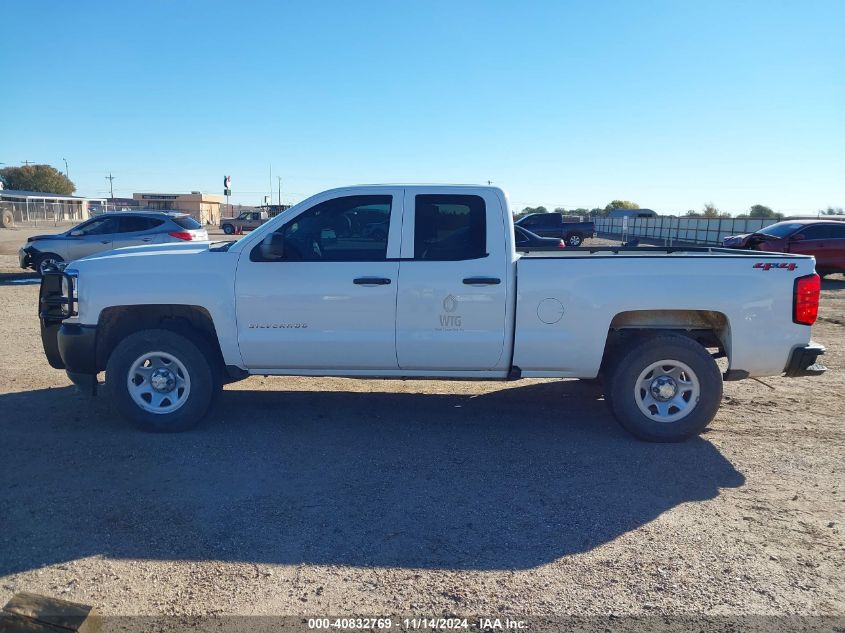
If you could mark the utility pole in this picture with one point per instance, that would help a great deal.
(280, 190)
(67, 173)
(26, 162)
(110, 178)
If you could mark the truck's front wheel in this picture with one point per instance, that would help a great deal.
(665, 388)
(161, 380)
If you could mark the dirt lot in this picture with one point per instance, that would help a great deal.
(332, 496)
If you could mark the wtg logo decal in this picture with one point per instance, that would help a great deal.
(450, 321)
(769, 266)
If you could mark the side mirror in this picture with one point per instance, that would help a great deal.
(76, 233)
(273, 247)
(798, 237)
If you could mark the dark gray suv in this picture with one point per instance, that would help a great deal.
(109, 231)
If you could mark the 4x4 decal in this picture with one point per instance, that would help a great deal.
(770, 265)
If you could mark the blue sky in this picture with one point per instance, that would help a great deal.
(668, 103)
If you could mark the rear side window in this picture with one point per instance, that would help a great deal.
(449, 227)
(837, 231)
(817, 232)
(187, 222)
(134, 223)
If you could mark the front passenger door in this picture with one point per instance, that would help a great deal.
(330, 302)
(94, 237)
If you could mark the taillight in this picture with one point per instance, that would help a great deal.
(561, 244)
(181, 235)
(805, 299)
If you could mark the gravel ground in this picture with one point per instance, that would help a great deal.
(335, 496)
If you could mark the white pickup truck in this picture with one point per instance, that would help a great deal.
(441, 293)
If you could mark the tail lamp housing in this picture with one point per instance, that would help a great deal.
(805, 299)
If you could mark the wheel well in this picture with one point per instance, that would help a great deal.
(709, 328)
(118, 322)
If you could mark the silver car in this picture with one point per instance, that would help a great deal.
(109, 231)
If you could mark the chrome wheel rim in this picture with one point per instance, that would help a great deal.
(158, 382)
(46, 264)
(574, 240)
(667, 391)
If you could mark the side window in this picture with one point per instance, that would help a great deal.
(346, 229)
(837, 231)
(100, 226)
(816, 232)
(450, 227)
(133, 224)
(530, 220)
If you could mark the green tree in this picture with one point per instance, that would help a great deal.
(41, 178)
(761, 211)
(833, 211)
(621, 204)
(560, 210)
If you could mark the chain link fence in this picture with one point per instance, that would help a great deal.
(42, 212)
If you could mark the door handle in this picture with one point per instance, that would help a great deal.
(147, 239)
(105, 241)
(371, 281)
(482, 281)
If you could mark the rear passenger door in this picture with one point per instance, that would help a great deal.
(134, 230)
(450, 312)
(813, 240)
(836, 247)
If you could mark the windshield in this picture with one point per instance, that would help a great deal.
(781, 229)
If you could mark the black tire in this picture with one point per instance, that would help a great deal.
(635, 359)
(188, 350)
(574, 240)
(42, 260)
(228, 229)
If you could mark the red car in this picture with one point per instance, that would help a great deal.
(824, 239)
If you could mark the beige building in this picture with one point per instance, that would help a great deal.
(204, 207)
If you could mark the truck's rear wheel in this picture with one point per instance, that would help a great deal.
(665, 388)
(228, 229)
(160, 380)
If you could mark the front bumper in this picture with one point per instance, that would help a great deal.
(77, 346)
(803, 361)
(25, 257)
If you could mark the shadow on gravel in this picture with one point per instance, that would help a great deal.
(508, 480)
(21, 278)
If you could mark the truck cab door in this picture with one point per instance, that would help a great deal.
(329, 302)
(453, 282)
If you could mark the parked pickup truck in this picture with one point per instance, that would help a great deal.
(570, 229)
(444, 294)
(246, 221)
